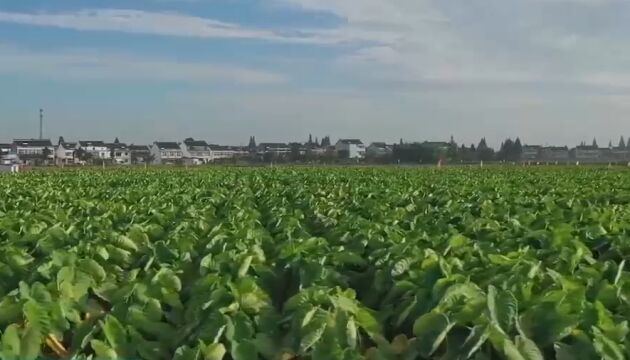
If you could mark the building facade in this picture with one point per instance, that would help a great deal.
(555, 153)
(139, 154)
(196, 151)
(350, 148)
(531, 152)
(65, 153)
(33, 151)
(97, 150)
(119, 153)
(379, 149)
(167, 152)
(585, 153)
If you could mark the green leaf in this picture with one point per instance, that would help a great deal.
(102, 350)
(214, 352)
(458, 241)
(82, 335)
(11, 343)
(477, 337)
(126, 243)
(92, 268)
(186, 353)
(619, 272)
(351, 333)
(608, 349)
(367, 322)
(431, 329)
(312, 334)
(244, 350)
(511, 352)
(31, 343)
(115, 334)
(242, 270)
(528, 349)
(502, 307)
(309, 316)
(168, 279)
(400, 267)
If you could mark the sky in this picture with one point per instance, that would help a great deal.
(548, 71)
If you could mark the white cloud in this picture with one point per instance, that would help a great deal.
(506, 41)
(93, 65)
(174, 24)
(136, 21)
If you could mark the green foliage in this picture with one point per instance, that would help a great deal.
(315, 264)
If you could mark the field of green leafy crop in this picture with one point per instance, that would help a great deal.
(315, 264)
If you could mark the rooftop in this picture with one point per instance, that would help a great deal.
(167, 145)
(351, 141)
(117, 146)
(196, 143)
(273, 145)
(69, 145)
(91, 143)
(32, 142)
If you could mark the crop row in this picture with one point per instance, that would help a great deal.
(315, 264)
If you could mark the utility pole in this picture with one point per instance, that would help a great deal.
(41, 124)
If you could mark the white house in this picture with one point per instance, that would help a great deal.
(119, 153)
(350, 148)
(531, 152)
(220, 152)
(7, 156)
(276, 149)
(139, 154)
(379, 149)
(96, 149)
(65, 152)
(166, 152)
(196, 151)
(33, 151)
(585, 153)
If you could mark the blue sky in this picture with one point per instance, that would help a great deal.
(550, 71)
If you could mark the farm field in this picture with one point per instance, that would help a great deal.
(495, 263)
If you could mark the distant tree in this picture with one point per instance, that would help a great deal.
(482, 144)
(595, 143)
(82, 155)
(252, 143)
(453, 151)
(295, 152)
(116, 141)
(417, 153)
(622, 143)
(505, 150)
(510, 150)
(148, 158)
(46, 152)
(484, 152)
(518, 149)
